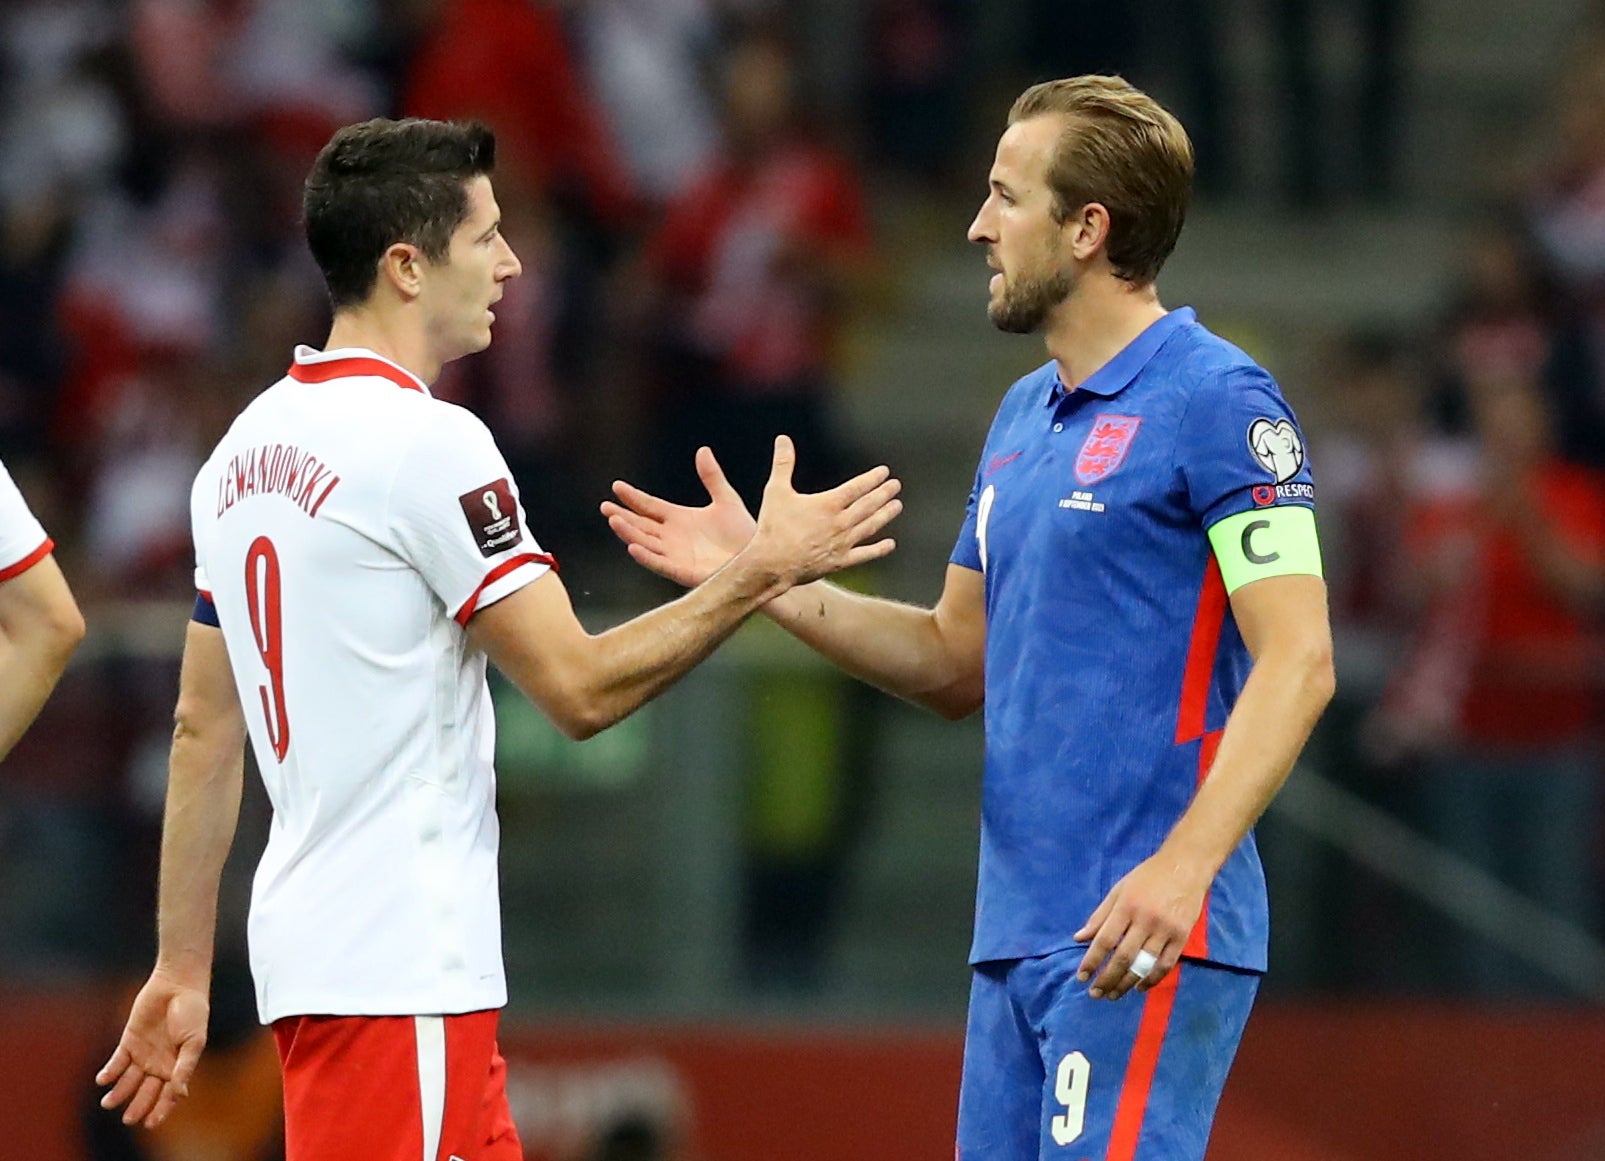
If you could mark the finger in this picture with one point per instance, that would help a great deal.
(634, 530)
(850, 491)
(785, 462)
(1110, 933)
(1115, 978)
(874, 500)
(714, 480)
(165, 1103)
(865, 553)
(644, 503)
(1088, 930)
(144, 1100)
(1168, 959)
(658, 563)
(113, 1068)
(127, 1084)
(876, 520)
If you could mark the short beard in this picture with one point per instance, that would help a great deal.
(1026, 302)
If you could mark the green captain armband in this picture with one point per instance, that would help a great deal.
(1266, 542)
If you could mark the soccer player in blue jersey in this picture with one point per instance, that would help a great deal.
(1136, 599)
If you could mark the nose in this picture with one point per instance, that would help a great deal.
(981, 230)
(511, 267)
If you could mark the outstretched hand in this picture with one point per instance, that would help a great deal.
(806, 535)
(803, 536)
(151, 1069)
(687, 545)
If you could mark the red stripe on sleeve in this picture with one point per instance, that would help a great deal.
(28, 561)
(1140, 1069)
(1201, 649)
(495, 575)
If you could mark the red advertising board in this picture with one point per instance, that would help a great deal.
(1313, 1083)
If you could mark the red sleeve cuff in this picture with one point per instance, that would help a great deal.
(28, 561)
(496, 574)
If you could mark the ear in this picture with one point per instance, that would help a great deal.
(1086, 231)
(402, 267)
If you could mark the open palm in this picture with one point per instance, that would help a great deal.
(151, 1069)
(684, 544)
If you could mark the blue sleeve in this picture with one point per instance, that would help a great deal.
(205, 612)
(1240, 448)
(967, 552)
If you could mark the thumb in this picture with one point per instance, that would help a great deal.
(713, 478)
(785, 461)
(189, 1055)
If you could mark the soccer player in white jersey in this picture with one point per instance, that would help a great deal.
(40, 624)
(360, 550)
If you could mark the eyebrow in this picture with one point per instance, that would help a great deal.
(493, 227)
(1000, 186)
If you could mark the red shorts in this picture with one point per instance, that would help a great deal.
(395, 1088)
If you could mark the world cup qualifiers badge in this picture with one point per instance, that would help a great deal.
(1279, 449)
(492, 516)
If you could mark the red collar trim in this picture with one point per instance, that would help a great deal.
(322, 372)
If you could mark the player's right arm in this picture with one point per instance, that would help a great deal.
(156, 1056)
(932, 657)
(586, 682)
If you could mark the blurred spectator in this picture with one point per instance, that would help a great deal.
(1566, 212)
(648, 61)
(916, 85)
(555, 145)
(1500, 694)
(1377, 461)
(754, 266)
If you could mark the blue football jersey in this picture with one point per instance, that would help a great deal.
(1112, 659)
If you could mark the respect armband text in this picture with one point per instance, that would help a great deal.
(1266, 542)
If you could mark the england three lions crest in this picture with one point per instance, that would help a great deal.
(1106, 446)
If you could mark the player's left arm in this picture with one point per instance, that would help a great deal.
(1241, 456)
(40, 626)
(154, 1060)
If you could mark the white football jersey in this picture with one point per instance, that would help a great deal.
(346, 528)
(23, 542)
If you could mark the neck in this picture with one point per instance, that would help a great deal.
(1098, 321)
(398, 339)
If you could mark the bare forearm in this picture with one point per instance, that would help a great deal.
(899, 648)
(29, 670)
(635, 662)
(203, 807)
(1279, 705)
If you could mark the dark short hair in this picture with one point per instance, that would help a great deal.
(1125, 151)
(382, 182)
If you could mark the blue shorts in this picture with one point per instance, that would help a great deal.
(1050, 1073)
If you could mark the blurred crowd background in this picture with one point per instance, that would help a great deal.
(740, 217)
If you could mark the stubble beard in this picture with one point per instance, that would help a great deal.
(1027, 300)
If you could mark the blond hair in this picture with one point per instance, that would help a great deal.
(1125, 151)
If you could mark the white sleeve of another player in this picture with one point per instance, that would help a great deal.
(456, 516)
(23, 542)
(200, 523)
